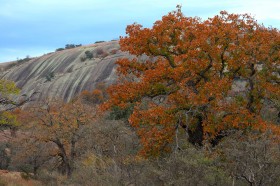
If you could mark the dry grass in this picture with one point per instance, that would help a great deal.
(15, 179)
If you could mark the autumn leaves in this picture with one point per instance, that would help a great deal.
(192, 64)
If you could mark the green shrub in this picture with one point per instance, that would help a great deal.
(68, 46)
(49, 76)
(118, 113)
(59, 49)
(82, 58)
(99, 41)
(88, 54)
(26, 59)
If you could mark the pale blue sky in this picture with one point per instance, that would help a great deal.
(35, 27)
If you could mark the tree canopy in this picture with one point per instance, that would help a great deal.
(7, 90)
(183, 76)
(61, 124)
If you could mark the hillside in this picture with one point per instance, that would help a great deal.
(197, 104)
(66, 73)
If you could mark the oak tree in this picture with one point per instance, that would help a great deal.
(184, 75)
(62, 125)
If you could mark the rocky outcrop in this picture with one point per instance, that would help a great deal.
(66, 73)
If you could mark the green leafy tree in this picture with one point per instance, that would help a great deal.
(88, 54)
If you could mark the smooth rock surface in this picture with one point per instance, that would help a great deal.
(63, 74)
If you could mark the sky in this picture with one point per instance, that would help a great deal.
(36, 27)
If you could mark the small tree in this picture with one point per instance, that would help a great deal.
(8, 119)
(30, 155)
(49, 76)
(251, 158)
(59, 49)
(63, 125)
(69, 46)
(89, 54)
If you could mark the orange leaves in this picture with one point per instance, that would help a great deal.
(60, 120)
(154, 127)
(192, 64)
(136, 43)
(130, 67)
(154, 115)
(94, 97)
(125, 93)
(60, 127)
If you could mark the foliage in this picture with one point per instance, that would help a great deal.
(49, 76)
(118, 113)
(187, 167)
(186, 80)
(94, 97)
(9, 119)
(114, 51)
(106, 154)
(31, 155)
(83, 58)
(26, 59)
(63, 125)
(180, 85)
(69, 46)
(251, 158)
(101, 53)
(89, 55)
(99, 42)
(97, 96)
(7, 90)
(59, 49)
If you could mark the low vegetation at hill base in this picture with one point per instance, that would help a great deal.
(175, 118)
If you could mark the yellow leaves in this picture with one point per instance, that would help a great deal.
(8, 87)
(8, 119)
(7, 90)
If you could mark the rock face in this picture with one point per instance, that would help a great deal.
(66, 73)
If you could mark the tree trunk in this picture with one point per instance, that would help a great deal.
(66, 162)
(196, 136)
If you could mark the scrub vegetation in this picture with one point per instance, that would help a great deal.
(175, 116)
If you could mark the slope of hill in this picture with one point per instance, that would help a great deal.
(66, 73)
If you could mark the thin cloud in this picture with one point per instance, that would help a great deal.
(263, 10)
(39, 25)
